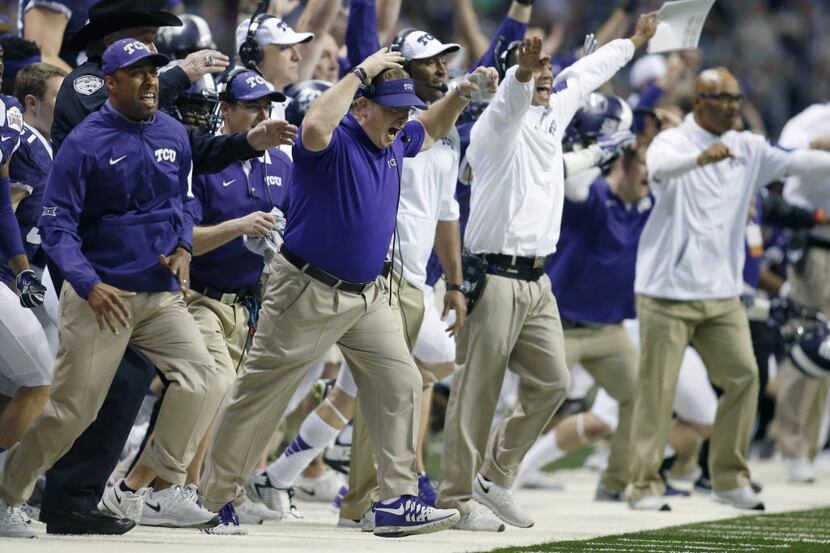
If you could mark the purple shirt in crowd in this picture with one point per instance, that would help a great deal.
(231, 194)
(592, 271)
(29, 166)
(344, 200)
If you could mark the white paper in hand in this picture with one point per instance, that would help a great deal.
(680, 25)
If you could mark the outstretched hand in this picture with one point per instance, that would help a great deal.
(530, 57)
(272, 133)
(646, 27)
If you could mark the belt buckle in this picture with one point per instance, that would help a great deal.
(538, 262)
(228, 298)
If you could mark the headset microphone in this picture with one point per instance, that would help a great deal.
(443, 88)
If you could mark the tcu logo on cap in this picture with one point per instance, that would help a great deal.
(131, 47)
(407, 86)
(165, 154)
(281, 25)
(255, 80)
(424, 38)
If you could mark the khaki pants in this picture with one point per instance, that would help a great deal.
(408, 301)
(800, 400)
(224, 328)
(163, 330)
(719, 330)
(608, 354)
(300, 319)
(515, 323)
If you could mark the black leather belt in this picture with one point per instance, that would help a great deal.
(568, 324)
(328, 279)
(514, 266)
(218, 294)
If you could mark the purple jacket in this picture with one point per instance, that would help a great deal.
(114, 202)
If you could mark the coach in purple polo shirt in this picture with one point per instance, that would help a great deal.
(325, 289)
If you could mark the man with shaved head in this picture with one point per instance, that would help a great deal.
(703, 175)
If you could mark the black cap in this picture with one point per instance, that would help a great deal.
(109, 16)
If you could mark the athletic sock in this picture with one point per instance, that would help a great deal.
(124, 487)
(668, 461)
(314, 435)
(543, 452)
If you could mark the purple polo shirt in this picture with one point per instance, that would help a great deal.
(344, 200)
(592, 271)
(230, 194)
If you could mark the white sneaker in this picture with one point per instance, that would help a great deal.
(741, 498)
(251, 512)
(477, 521)
(321, 489)
(799, 470)
(175, 507)
(539, 480)
(124, 504)
(365, 524)
(650, 503)
(501, 502)
(12, 522)
(279, 500)
(367, 521)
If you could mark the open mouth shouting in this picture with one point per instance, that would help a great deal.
(543, 88)
(392, 132)
(148, 97)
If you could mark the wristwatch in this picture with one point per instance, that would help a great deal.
(455, 288)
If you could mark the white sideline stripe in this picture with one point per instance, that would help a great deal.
(762, 529)
(704, 545)
(656, 546)
(778, 536)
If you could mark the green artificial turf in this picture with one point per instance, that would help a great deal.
(795, 531)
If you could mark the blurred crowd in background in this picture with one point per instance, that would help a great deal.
(778, 49)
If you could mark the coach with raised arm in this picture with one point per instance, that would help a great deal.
(327, 287)
(515, 154)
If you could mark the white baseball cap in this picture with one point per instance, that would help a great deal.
(420, 45)
(647, 69)
(271, 30)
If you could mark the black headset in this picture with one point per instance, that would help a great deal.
(398, 41)
(227, 94)
(250, 52)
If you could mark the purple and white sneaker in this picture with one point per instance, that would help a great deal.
(228, 523)
(407, 515)
(426, 489)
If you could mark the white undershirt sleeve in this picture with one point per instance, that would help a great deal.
(576, 162)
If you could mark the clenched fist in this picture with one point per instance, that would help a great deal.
(713, 154)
